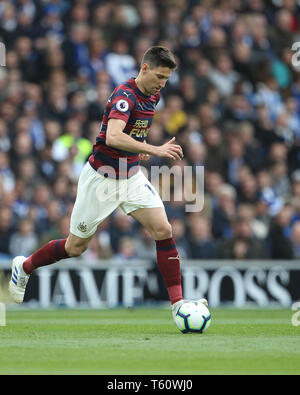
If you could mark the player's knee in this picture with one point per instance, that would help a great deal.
(162, 232)
(75, 250)
(76, 246)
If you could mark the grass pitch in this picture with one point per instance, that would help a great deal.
(144, 341)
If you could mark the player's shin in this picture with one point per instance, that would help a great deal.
(50, 253)
(169, 265)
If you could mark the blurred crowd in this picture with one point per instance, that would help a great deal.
(233, 104)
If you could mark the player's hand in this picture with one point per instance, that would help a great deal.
(170, 150)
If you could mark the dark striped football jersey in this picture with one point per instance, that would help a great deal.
(131, 105)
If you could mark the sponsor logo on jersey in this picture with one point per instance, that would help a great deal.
(140, 128)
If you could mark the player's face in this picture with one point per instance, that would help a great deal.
(155, 79)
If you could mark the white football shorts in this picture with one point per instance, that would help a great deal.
(98, 196)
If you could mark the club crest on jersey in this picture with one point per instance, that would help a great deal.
(122, 105)
(82, 227)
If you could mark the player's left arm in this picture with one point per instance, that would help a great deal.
(121, 106)
(122, 103)
(117, 139)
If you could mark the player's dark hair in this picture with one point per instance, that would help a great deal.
(159, 56)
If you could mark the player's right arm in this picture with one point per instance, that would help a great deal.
(115, 138)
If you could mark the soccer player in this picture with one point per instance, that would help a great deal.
(112, 178)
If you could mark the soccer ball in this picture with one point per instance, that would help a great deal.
(193, 317)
